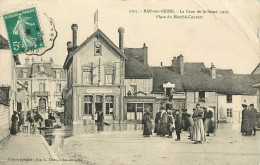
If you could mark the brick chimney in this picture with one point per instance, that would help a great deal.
(213, 71)
(121, 32)
(174, 63)
(74, 28)
(161, 63)
(69, 47)
(180, 64)
(27, 60)
(51, 59)
(145, 54)
(32, 60)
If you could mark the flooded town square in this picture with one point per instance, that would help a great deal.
(125, 144)
(155, 82)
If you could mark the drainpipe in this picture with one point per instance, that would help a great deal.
(216, 122)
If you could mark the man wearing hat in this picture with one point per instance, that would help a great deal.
(252, 118)
(177, 116)
(245, 127)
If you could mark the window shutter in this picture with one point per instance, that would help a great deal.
(196, 97)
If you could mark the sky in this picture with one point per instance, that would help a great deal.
(230, 41)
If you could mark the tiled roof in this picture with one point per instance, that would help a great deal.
(134, 69)
(257, 69)
(137, 53)
(3, 43)
(163, 75)
(198, 78)
(4, 95)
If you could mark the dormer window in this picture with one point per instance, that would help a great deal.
(98, 48)
(229, 98)
(57, 74)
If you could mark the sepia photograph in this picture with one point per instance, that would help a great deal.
(128, 82)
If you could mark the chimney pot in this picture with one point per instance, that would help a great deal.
(180, 64)
(145, 54)
(161, 63)
(121, 32)
(32, 60)
(74, 28)
(69, 46)
(213, 71)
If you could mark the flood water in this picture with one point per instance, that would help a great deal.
(56, 137)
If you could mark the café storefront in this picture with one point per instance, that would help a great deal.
(135, 106)
(92, 100)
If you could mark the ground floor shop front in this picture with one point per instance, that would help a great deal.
(83, 104)
(135, 106)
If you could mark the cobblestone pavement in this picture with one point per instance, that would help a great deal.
(227, 147)
(26, 149)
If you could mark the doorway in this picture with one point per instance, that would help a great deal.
(42, 103)
(98, 107)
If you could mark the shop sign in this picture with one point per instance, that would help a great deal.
(98, 91)
(139, 100)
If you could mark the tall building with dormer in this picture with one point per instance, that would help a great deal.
(44, 81)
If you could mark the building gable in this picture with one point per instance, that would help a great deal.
(98, 35)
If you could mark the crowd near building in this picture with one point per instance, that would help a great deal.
(118, 81)
(99, 76)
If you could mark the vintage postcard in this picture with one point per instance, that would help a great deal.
(130, 82)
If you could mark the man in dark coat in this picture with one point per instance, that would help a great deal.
(157, 122)
(252, 118)
(245, 127)
(177, 116)
(100, 121)
(147, 123)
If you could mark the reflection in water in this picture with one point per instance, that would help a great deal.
(55, 137)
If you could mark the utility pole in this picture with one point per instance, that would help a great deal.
(99, 72)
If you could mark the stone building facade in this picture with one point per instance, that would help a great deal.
(8, 87)
(44, 81)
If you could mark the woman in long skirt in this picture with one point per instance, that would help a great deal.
(163, 130)
(147, 124)
(245, 127)
(14, 127)
(198, 133)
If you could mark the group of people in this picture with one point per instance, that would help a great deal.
(99, 119)
(31, 121)
(249, 120)
(166, 122)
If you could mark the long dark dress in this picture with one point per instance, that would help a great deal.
(14, 127)
(245, 125)
(252, 118)
(208, 124)
(147, 124)
(157, 122)
(163, 130)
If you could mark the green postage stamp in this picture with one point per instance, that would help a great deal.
(24, 31)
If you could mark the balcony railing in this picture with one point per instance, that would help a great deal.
(41, 93)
